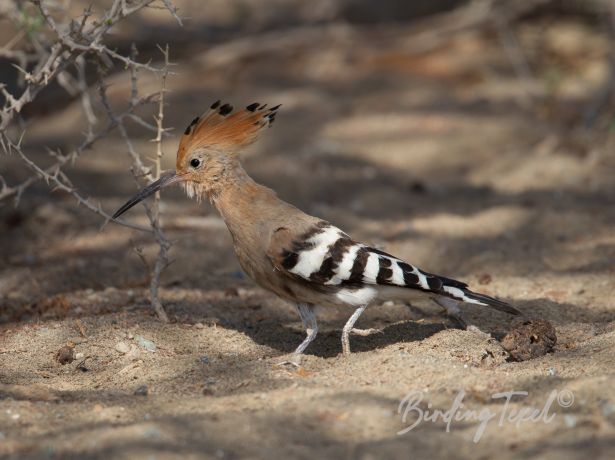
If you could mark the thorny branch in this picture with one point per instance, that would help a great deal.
(163, 254)
(53, 60)
(51, 47)
(140, 170)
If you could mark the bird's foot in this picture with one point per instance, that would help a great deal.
(365, 332)
(458, 322)
(362, 332)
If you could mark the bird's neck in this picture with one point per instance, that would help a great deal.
(243, 203)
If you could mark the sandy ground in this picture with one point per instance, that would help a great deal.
(434, 157)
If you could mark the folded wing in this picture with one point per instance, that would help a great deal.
(322, 254)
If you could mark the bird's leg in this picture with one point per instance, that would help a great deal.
(308, 318)
(348, 327)
(452, 311)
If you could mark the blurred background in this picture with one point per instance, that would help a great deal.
(391, 111)
(474, 138)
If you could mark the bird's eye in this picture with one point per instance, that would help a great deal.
(195, 162)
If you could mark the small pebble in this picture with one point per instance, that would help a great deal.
(551, 371)
(199, 325)
(204, 359)
(79, 356)
(134, 352)
(145, 343)
(141, 391)
(65, 355)
(122, 347)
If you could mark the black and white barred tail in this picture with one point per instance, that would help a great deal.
(327, 256)
(463, 294)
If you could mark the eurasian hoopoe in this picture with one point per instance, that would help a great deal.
(299, 257)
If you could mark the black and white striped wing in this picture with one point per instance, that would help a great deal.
(326, 256)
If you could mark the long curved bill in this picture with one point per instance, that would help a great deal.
(166, 179)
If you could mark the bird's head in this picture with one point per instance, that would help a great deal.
(208, 150)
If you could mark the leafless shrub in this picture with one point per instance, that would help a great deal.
(52, 47)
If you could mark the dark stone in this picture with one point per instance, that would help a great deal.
(65, 355)
(529, 338)
(141, 391)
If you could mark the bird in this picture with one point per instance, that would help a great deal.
(300, 258)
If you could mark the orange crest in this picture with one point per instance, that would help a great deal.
(220, 130)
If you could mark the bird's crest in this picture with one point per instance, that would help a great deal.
(219, 129)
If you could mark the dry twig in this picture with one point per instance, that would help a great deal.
(63, 50)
